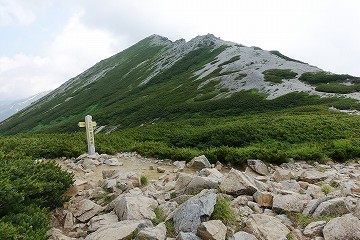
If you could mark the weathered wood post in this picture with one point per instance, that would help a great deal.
(89, 125)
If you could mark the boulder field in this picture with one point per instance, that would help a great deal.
(127, 196)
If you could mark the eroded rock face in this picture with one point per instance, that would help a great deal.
(194, 211)
(314, 229)
(345, 227)
(313, 176)
(237, 183)
(102, 220)
(266, 227)
(332, 207)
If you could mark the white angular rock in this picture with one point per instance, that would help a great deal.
(290, 203)
(199, 162)
(119, 230)
(258, 166)
(69, 220)
(180, 165)
(243, 236)
(266, 227)
(86, 209)
(135, 207)
(197, 209)
(237, 183)
(345, 227)
(190, 184)
(102, 220)
(212, 230)
(210, 172)
(282, 175)
(153, 233)
(57, 234)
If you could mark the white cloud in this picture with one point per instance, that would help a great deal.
(73, 50)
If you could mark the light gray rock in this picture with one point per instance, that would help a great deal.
(290, 203)
(187, 236)
(237, 183)
(135, 207)
(357, 209)
(210, 172)
(113, 162)
(313, 176)
(168, 207)
(258, 166)
(314, 191)
(345, 227)
(190, 184)
(197, 209)
(102, 220)
(57, 234)
(86, 209)
(314, 229)
(180, 165)
(120, 230)
(332, 207)
(243, 236)
(266, 227)
(160, 169)
(290, 185)
(110, 173)
(282, 175)
(69, 220)
(212, 230)
(199, 162)
(153, 233)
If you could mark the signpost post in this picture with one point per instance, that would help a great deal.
(89, 125)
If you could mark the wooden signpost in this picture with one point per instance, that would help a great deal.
(89, 125)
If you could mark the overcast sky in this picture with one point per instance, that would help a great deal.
(44, 43)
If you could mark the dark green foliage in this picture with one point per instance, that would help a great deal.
(28, 190)
(231, 60)
(337, 88)
(326, 77)
(277, 75)
(277, 53)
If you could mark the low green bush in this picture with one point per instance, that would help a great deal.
(335, 88)
(277, 75)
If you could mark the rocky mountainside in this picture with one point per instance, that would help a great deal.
(9, 109)
(159, 80)
(127, 196)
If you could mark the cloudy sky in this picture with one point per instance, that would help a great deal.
(43, 43)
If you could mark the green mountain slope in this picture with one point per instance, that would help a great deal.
(158, 80)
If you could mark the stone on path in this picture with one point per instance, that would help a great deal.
(199, 162)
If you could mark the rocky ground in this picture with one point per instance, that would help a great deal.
(127, 196)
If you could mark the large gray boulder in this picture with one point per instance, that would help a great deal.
(345, 227)
(237, 183)
(194, 211)
(190, 184)
(258, 166)
(85, 209)
(357, 209)
(153, 233)
(120, 230)
(212, 230)
(266, 227)
(199, 162)
(135, 207)
(290, 203)
(281, 174)
(333, 207)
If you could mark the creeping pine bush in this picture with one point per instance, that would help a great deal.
(28, 190)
